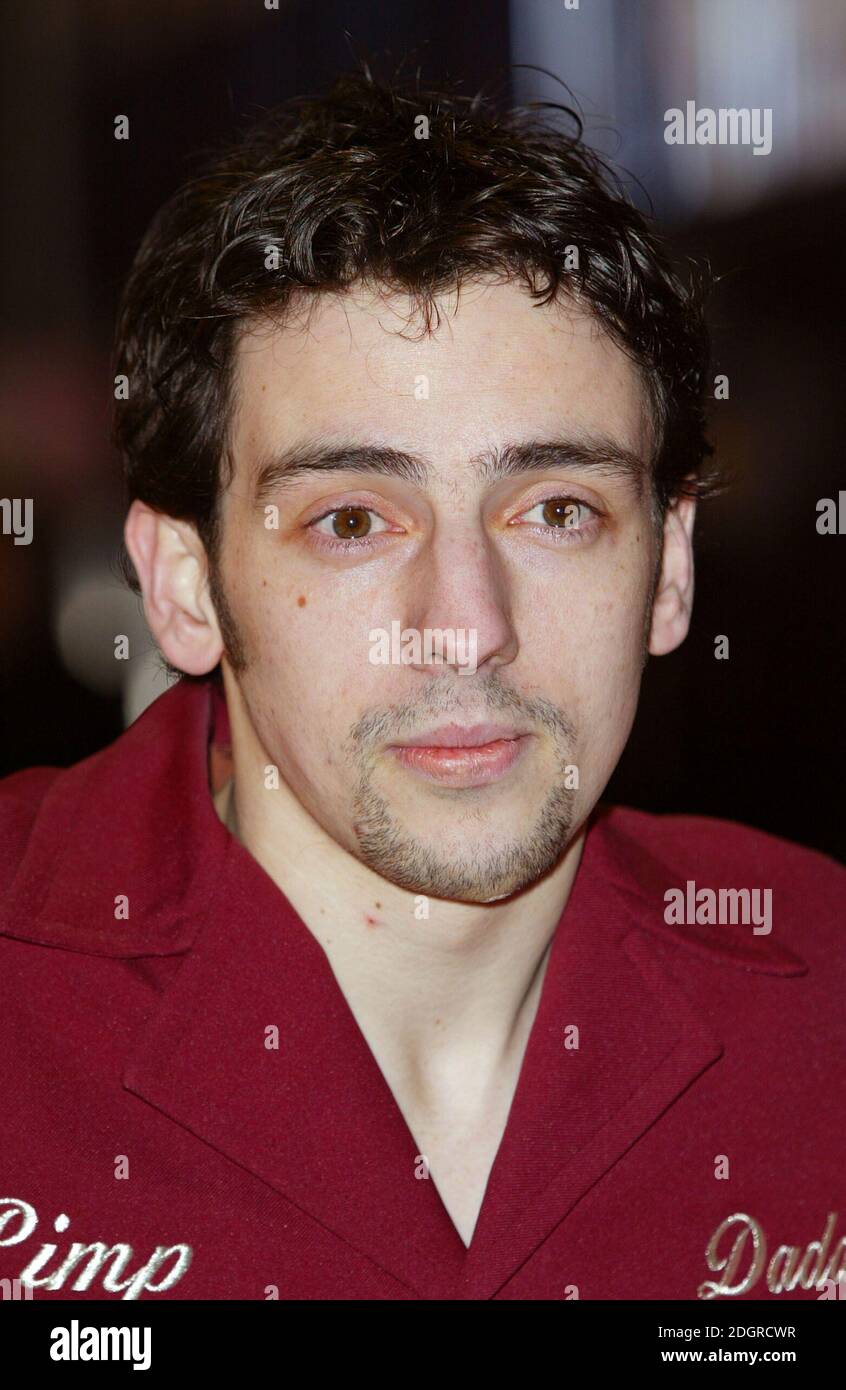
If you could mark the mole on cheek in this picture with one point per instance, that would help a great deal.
(301, 601)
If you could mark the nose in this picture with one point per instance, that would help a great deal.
(460, 586)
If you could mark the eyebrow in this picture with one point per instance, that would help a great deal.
(600, 454)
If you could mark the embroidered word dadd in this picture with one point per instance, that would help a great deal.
(789, 1268)
(98, 1255)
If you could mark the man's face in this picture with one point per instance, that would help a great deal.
(462, 774)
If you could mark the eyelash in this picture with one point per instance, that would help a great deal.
(337, 543)
(565, 535)
(571, 535)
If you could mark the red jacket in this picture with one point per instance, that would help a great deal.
(152, 1145)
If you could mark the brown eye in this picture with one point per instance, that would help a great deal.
(351, 522)
(561, 511)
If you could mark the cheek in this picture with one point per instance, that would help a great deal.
(291, 617)
(591, 623)
(583, 647)
(306, 660)
(611, 670)
(308, 676)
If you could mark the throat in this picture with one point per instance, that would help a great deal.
(459, 1161)
(224, 806)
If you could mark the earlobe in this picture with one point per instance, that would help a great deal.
(172, 569)
(673, 602)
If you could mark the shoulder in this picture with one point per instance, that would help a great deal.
(722, 846)
(132, 823)
(712, 862)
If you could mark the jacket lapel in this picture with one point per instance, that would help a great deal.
(313, 1117)
(641, 1043)
(614, 1044)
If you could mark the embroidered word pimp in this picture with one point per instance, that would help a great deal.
(98, 1256)
(790, 1267)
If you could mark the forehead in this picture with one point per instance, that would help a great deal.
(494, 366)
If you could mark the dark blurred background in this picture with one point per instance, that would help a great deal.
(755, 738)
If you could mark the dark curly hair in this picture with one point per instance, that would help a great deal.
(342, 189)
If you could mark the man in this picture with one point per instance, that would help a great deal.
(331, 978)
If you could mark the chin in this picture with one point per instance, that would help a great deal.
(455, 881)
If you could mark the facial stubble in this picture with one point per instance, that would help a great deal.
(484, 872)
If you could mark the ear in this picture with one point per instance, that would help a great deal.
(172, 568)
(673, 602)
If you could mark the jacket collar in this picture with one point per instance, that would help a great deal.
(135, 820)
(314, 1118)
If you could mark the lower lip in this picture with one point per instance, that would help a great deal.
(464, 767)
